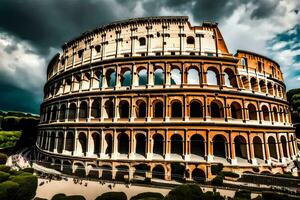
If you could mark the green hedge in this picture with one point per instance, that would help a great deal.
(8, 190)
(216, 169)
(112, 196)
(28, 185)
(147, 195)
(4, 168)
(242, 195)
(185, 192)
(3, 176)
(28, 169)
(218, 180)
(3, 158)
(277, 196)
(58, 197)
(209, 195)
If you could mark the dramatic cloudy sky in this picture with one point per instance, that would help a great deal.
(32, 31)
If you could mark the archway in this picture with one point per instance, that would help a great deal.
(72, 112)
(284, 146)
(52, 141)
(175, 77)
(252, 112)
(140, 146)
(124, 109)
(141, 109)
(230, 78)
(62, 112)
(111, 78)
(196, 109)
(176, 109)
(176, 144)
(198, 175)
(123, 143)
(216, 109)
(158, 144)
(83, 110)
(219, 146)
(60, 142)
(143, 77)
(126, 78)
(158, 172)
(254, 84)
(265, 112)
(109, 108)
(193, 77)
(177, 171)
(213, 76)
(197, 145)
(96, 143)
(258, 148)
(262, 86)
(83, 143)
(158, 109)
(95, 110)
(240, 146)
(159, 77)
(70, 142)
(272, 147)
(236, 110)
(108, 143)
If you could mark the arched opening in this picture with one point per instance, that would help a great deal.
(141, 109)
(97, 79)
(219, 146)
(52, 141)
(254, 84)
(83, 109)
(124, 109)
(67, 167)
(272, 147)
(95, 110)
(67, 85)
(158, 109)
(176, 109)
(79, 169)
(72, 112)
(60, 142)
(190, 40)
(142, 41)
(143, 77)
(62, 112)
(275, 114)
(236, 110)
(281, 115)
(230, 78)
(176, 144)
(284, 146)
(76, 82)
(196, 109)
(240, 146)
(216, 109)
(106, 172)
(108, 144)
(85, 83)
(262, 86)
(122, 172)
(177, 171)
(193, 77)
(54, 113)
(293, 151)
(197, 145)
(258, 148)
(158, 144)
(140, 171)
(243, 61)
(265, 111)
(111, 78)
(198, 175)
(270, 89)
(109, 108)
(175, 77)
(159, 77)
(140, 146)
(123, 143)
(82, 141)
(48, 114)
(96, 143)
(126, 78)
(252, 112)
(213, 76)
(245, 82)
(158, 172)
(70, 142)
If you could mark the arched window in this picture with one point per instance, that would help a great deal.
(82, 141)
(85, 82)
(265, 112)
(62, 112)
(198, 175)
(176, 109)
(254, 84)
(245, 82)
(219, 146)
(60, 142)
(175, 77)
(126, 78)
(95, 110)
(230, 78)
(123, 143)
(240, 146)
(270, 89)
(176, 144)
(197, 145)
(258, 147)
(158, 109)
(284, 146)
(158, 172)
(124, 109)
(196, 109)
(275, 114)
(159, 77)
(158, 144)
(140, 146)
(72, 112)
(83, 110)
(272, 147)
(252, 112)
(141, 109)
(142, 41)
(236, 110)
(244, 61)
(108, 144)
(212, 76)
(69, 141)
(262, 86)
(216, 109)
(96, 143)
(111, 78)
(54, 113)
(109, 108)
(193, 77)
(143, 77)
(190, 40)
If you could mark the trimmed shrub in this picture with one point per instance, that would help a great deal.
(242, 195)
(218, 180)
(112, 196)
(3, 176)
(8, 190)
(4, 168)
(28, 185)
(277, 196)
(147, 195)
(229, 174)
(185, 192)
(58, 197)
(29, 170)
(209, 195)
(3, 158)
(216, 169)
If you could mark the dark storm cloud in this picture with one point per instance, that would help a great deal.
(51, 23)
(264, 8)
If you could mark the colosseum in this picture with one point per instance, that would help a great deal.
(158, 98)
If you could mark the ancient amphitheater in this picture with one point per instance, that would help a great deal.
(158, 98)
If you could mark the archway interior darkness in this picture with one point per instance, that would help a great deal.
(236, 110)
(143, 78)
(197, 145)
(176, 144)
(122, 171)
(158, 109)
(190, 40)
(254, 84)
(72, 112)
(141, 109)
(158, 144)
(126, 78)
(265, 111)
(124, 109)
(258, 148)
(141, 144)
(193, 77)
(158, 77)
(158, 172)
(176, 109)
(216, 110)
(284, 146)
(83, 110)
(82, 141)
(140, 170)
(62, 112)
(196, 109)
(198, 175)
(230, 78)
(109, 108)
(219, 146)
(70, 141)
(262, 86)
(107, 172)
(272, 147)
(95, 110)
(175, 77)
(111, 78)
(177, 171)
(240, 146)
(252, 112)
(60, 142)
(108, 141)
(52, 141)
(275, 114)
(96, 142)
(123, 143)
(54, 113)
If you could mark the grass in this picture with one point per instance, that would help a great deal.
(8, 138)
